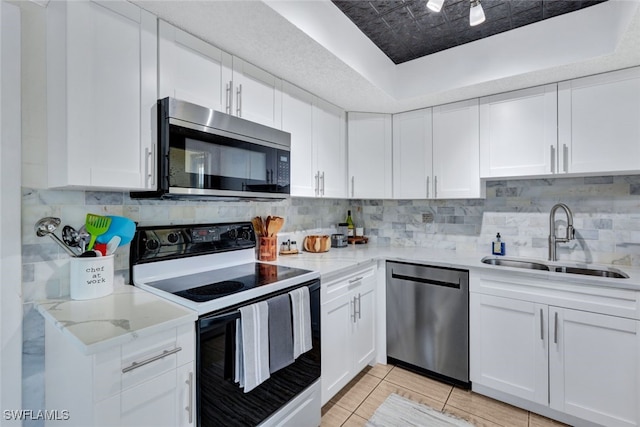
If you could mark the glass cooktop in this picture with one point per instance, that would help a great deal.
(209, 285)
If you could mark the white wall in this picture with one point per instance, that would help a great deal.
(10, 202)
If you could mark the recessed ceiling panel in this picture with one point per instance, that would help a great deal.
(407, 29)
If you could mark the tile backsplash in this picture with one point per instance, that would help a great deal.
(606, 217)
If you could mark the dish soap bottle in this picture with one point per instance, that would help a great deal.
(497, 248)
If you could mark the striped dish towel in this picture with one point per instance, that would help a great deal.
(252, 349)
(301, 316)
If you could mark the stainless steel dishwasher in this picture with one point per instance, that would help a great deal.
(428, 320)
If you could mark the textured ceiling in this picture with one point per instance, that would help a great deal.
(406, 29)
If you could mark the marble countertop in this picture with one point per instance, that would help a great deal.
(97, 324)
(339, 260)
(101, 323)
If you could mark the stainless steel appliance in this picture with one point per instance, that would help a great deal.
(203, 152)
(211, 268)
(428, 320)
(339, 241)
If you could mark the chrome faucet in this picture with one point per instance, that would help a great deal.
(571, 232)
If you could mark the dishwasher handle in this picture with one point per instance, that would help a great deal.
(425, 281)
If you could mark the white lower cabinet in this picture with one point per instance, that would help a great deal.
(148, 382)
(348, 328)
(570, 350)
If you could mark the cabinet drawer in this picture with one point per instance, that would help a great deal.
(346, 283)
(143, 359)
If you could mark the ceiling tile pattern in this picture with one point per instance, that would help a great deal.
(406, 29)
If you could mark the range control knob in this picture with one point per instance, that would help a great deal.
(246, 235)
(172, 237)
(233, 233)
(152, 244)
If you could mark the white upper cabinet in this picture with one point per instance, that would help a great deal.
(257, 95)
(297, 117)
(198, 72)
(329, 149)
(456, 151)
(369, 152)
(101, 93)
(599, 123)
(193, 70)
(518, 133)
(318, 150)
(412, 155)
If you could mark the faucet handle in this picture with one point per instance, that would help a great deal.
(571, 232)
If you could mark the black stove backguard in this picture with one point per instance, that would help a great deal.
(160, 243)
(221, 402)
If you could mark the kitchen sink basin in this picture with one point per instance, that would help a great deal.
(534, 265)
(612, 273)
(518, 263)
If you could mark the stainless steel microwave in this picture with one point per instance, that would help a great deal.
(203, 152)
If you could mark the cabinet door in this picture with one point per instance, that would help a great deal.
(594, 366)
(186, 395)
(101, 90)
(330, 149)
(518, 133)
(257, 94)
(508, 346)
(152, 403)
(456, 150)
(193, 70)
(363, 341)
(599, 123)
(337, 316)
(369, 153)
(297, 119)
(412, 152)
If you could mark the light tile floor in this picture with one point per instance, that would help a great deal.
(357, 402)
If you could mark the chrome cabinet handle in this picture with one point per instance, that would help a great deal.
(317, 187)
(553, 158)
(149, 166)
(322, 179)
(228, 97)
(239, 101)
(353, 185)
(565, 157)
(189, 407)
(435, 186)
(357, 279)
(555, 328)
(353, 309)
(427, 187)
(136, 365)
(359, 306)
(541, 326)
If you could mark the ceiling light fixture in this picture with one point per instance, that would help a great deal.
(476, 13)
(435, 5)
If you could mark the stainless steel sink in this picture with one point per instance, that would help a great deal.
(612, 273)
(518, 263)
(534, 265)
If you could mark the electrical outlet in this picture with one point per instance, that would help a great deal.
(427, 218)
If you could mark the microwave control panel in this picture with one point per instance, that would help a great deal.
(283, 170)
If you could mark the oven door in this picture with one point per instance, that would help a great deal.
(221, 401)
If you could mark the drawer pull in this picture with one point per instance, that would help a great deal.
(189, 408)
(357, 279)
(136, 365)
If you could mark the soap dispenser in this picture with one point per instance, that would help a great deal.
(497, 247)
